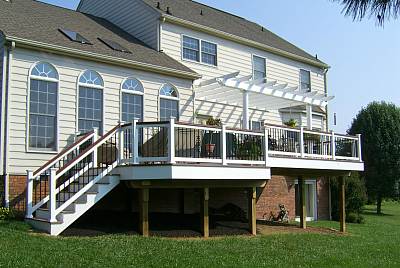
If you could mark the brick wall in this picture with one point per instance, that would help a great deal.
(323, 198)
(18, 192)
(279, 190)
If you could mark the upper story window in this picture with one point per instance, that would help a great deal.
(259, 68)
(132, 100)
(169, 103)
(43, 100)
(305, 80)
(199, 51)
(90, 113)
(256, 125)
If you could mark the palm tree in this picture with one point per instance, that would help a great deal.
(381, 9)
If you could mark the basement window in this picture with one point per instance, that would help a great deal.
(114, 45)
(74, 36)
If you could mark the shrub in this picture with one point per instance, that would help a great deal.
(6, 214)
(356, 198)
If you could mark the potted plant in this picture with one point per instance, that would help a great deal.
(209, 143)
(291, 123)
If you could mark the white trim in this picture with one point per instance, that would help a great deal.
(169, 98)
(315, 197)
(252, 63)
(132, 92)
(200, 51)
(309, 71)
(28, 149)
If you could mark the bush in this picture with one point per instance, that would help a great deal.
(6, 214)
(356, 198)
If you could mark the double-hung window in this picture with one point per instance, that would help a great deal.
(256, 125)
(43, 99)
(90, 112)
(169, 103)
(259, 68)
(132, 100)
(199, 51)
(305, 80)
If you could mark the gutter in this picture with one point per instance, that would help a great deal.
(242, 40)
(8, 56)
(25, 43)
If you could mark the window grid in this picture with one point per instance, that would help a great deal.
(42, 114)
(168, 109)
(132, 107)
(90, 113)
(199, 51)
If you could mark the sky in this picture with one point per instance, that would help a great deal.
(364, 58)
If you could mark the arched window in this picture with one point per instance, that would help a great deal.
(169, 102)
(90, 113)
(132, 100)
(43, 102)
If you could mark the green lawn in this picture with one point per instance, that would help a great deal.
(374, 244)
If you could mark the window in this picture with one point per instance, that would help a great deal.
(208, 53)
(132, 100)
(256, 125)
(169, 103)
(191, 49)
(311, 200)
(305, 80)
(43, 99)
(199, 50)
(90, 113)
(74, 36)
(114, 45)
(259, 68)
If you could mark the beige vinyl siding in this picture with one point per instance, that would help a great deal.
(233, 57)
(69, 71)
(133, 16)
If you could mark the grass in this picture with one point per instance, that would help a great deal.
(373, 244)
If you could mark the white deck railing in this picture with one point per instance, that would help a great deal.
(173, 142)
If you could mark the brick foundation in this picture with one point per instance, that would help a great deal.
(323, 198)
(17, 192)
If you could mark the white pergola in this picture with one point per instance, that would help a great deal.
(259, 94)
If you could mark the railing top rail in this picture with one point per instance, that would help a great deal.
(196, 125)
(244, 130)
(88, 150)
(247, 132)
(351, 137)
(64, 152)
(283, 128)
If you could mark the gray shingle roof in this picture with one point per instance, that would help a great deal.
(190, 11)
(36, 21)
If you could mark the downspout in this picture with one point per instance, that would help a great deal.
(6, 127)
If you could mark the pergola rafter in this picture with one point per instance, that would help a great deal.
(261, 94)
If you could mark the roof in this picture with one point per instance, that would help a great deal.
(40, 22)
(220, 20)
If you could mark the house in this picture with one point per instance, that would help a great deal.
(117, 94)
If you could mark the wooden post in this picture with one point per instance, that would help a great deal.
(205, 196)
(342, 204)
(144, 211)
(303, 208)
(252, 211)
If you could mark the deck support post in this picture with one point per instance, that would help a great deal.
(144, 211)
(204, 217)
(342, 204)
(303, 209)
(252, 210)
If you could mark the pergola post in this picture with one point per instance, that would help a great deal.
(246, 124)
(342, 204)
(309, 113)
(252, 210)
(144, 211)
(303, 208)
(204, 197)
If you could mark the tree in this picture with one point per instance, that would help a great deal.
(381, 9)
(379, 125)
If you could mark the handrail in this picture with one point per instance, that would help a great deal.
(63, 153)
(87, 151)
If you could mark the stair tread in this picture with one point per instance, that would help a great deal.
(42, 220)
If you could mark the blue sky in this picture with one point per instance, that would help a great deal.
(365, 58)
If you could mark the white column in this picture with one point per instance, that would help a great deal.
(309, 116)
(245, 110)
(95, 138)
(333, 144)
(52, 195)
(266, 149)
(171, 141)
(135, 142)
(223, 145)
(302, 142)
(359, 148)
(29, 194)
(7, 190)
